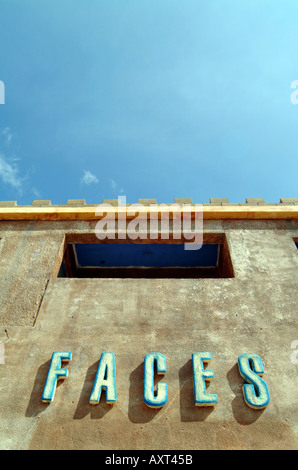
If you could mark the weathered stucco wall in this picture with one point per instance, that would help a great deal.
(254, 312)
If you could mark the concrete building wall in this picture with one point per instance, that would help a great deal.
(255, 312)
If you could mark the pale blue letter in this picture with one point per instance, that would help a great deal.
(200, 376)
(105, 379)
(256, 393)
(161, 389)
(55, 373)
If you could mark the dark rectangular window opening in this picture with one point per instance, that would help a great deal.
(87, 257)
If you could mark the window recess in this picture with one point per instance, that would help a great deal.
(87, 257)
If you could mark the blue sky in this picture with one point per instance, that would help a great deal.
(148, 99)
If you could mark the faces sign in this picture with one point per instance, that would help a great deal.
(255, 390)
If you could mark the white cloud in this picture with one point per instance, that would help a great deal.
(7, 134)
(10, 174)
(115, 187)
(113, 184)
(36, 193)
(88, 178)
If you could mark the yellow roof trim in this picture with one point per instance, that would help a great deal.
(212, 212)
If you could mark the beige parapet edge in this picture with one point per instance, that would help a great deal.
(212, 212)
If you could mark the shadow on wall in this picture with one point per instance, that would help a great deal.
(138, 412)
(242, 413)
(188, 411)
(84, 408)
(36, 406)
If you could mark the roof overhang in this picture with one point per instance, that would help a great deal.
(94, 212)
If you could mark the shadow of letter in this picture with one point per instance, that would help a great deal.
(243, 414)
(138, 412)
(188, 411)
(84, 407)
(35, 405)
